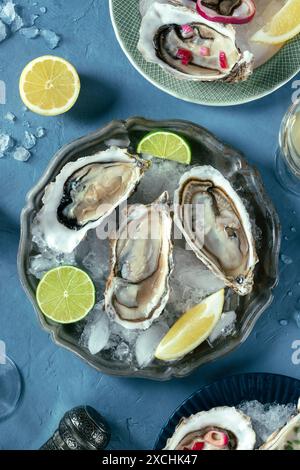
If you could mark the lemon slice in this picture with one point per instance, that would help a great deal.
(284, 25)
(166, 145)
(49, 85)
(191, 329)
(65, 294)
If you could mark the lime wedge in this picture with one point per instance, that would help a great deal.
(191, 329)
(166, 145)
(65, 294)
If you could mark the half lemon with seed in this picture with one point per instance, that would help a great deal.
(167, 145)
(191, 329)
(49, 85)
(65, 294)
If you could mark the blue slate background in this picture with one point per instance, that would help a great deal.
(54, 379)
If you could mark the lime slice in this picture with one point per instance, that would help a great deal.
(191, 329)
(65, 294)
(166, 145)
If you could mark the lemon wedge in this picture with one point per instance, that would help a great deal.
(191, 329)
(283, 26)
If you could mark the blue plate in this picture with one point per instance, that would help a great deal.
(231, 391)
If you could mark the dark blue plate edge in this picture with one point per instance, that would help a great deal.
(283, 384)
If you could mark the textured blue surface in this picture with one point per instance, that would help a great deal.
(54, 379)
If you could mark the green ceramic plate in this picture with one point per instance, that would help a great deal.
(266, 79)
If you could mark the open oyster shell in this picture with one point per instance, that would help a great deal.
(287, 438)
(216, 225)
(138, 286)
(84, 193)
(190, 47)
(196, 431)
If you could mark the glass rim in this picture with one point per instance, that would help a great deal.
(284, 141)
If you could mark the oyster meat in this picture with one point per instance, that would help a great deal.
(216, 225)
(84, 193)
(138, 286)
(191, 47)
(287, 438)
(221, 428)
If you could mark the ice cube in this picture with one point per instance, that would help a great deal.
(29, 140)
(33, 19)
(10, 117)
(96, 333)
(3, 31)
(30, 33)
(122, 142)
(164, 175)
(224, 327)
(21, 154)
(147, 343)
(42, 263)
(40, 132)
(8, 13)
(122, 353)
(6, 143)
(51, 38)
(43, 10)
(16, 24)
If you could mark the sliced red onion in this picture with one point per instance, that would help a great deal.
(216, 438)
(198, 445)
(242, 14)
(185, 55)
(204, 51)
(223, 60)
(187, 31)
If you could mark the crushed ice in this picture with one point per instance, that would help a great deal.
(266, 418)
(51, 38)
(11, 21)
(3, 31)
(40, 132)
(21, 154)
(30, 33)
(6, 144)
(10, 117)
(29, 140)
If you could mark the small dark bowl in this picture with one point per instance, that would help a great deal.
(206, 149)
(231, 391)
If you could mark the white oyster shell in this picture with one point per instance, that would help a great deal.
(286, 437)
(138, 286)
(225, 418)
(60, 237)
(160, 15)
(216, 225)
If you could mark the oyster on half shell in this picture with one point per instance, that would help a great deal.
(287, 438)
(84, 193)
(221, 428)
(138, 286)
(190, 47)
(216, 225)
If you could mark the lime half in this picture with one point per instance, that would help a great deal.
(65, 294)
(166, 145)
